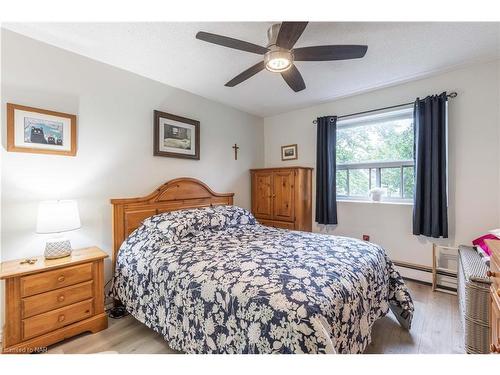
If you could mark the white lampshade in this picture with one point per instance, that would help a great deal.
(57, 216)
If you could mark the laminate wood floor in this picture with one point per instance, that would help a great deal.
(435, 329)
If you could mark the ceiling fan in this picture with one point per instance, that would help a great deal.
(279, 54)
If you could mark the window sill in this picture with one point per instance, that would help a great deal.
(398, 203)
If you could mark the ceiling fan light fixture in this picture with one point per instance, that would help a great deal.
(280, 53)
(278, 60)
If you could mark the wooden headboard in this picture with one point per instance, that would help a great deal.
(181, 193)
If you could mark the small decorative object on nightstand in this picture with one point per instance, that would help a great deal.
(57, 217)
(49, 300)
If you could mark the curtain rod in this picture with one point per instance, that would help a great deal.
(450, 95)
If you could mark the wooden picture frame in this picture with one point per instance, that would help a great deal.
(26, 128)
(176, 136)
(289, 152)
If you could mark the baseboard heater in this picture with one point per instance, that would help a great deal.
(420, 267)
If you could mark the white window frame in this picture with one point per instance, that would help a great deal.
(378, 166)
(373, 118)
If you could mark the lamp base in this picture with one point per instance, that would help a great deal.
(57, 248)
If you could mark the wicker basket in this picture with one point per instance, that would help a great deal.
(474, 300)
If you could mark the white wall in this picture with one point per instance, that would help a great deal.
(115, 142)
(473, 160)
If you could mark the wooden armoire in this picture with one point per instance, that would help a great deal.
(281, 197)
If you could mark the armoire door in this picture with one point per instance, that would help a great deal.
(283, 193)
(262, 199)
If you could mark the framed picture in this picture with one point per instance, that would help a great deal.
(39, 131)
(289, 152)
(175, 136)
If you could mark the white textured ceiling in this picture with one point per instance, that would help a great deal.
(169, 53)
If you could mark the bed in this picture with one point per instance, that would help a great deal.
(210, 279)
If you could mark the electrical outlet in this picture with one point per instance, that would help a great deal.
(366, 237)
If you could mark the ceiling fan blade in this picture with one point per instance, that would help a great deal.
(250, 72)
(294, 79)
(231, 43)
(289, 33)
(328, 53)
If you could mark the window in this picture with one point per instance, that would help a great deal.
(376, 150)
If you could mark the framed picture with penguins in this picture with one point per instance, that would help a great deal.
(40, 131)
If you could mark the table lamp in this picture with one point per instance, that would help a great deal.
(57, 217)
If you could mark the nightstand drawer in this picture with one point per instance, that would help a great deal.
(50, 280)
(55, 299)
(55, 319)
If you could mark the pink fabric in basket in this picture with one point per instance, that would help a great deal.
(482, 244)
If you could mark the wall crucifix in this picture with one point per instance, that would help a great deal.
(236, 148)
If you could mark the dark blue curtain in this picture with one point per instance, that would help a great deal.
(430, 208)
(326, 186)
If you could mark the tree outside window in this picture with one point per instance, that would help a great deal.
(376, 150)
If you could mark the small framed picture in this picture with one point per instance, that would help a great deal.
(175, 136)
(289, 152)
(40, 131)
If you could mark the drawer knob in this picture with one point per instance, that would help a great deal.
(61, 318)
(491, 274)
(61, 298)
(61, 278)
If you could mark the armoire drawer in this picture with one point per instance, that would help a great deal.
(277, 224)
(283, 225)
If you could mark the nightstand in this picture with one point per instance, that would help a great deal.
(51, 300)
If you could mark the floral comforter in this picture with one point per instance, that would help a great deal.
(213, 280)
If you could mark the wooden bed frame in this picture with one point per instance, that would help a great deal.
(178, 194)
